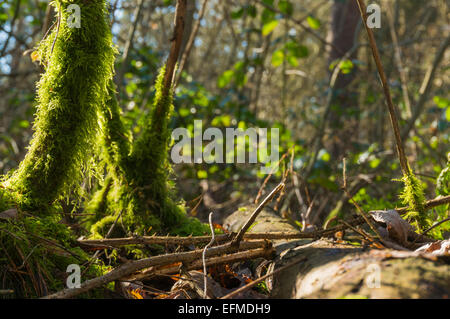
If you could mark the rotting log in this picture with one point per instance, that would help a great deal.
(334, 269)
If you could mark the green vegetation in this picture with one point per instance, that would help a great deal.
(98, 164)
(78, 65)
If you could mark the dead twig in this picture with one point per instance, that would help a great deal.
(434, 226)
(390, 105)
(265, 252)
(133, 266)
(205, 274)
(251, 219)
(358, 208)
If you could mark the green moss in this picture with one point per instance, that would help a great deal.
(138, 175)
(35, 255)
(74, 85)
(115, 140)
(36, 247)
(413, 196)
(6, 199)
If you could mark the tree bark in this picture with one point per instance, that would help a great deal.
(342, 35)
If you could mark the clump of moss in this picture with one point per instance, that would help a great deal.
(413, 196)
(35, 255)
(78, 67)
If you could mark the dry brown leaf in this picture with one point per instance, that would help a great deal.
(393, 226)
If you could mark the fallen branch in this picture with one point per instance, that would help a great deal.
(133, 266)
(428, 204)
(225, 259)
(186, 241)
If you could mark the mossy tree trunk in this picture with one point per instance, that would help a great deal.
(138, 186)
(36, 247)
(78, 67)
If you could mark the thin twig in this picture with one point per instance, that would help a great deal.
(358, 208)
(12, 24)
(435, 225)
(250, 254)
(391, 108)
(299, 22)
(426, 87)
(363, 234)
(57, 30)
(255, 214)
(132, 266)
(205, 274)
(268, 177)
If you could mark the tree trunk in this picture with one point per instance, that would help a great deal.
(342, 35)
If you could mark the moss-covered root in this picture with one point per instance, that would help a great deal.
(78, 67)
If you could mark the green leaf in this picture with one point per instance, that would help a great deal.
(277, 58)
(225, 78)
(237, 14)
(292, 60)
(251, 11)
(297, 50)
(346, 66)
(224, 120)
(267, 16)
(24, 124)
(269, 27)
(202, 174)
(313, 22)
(326, 157)
(183, 111)
(374, 163)
(441, 102)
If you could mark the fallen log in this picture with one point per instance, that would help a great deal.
(334, 269)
